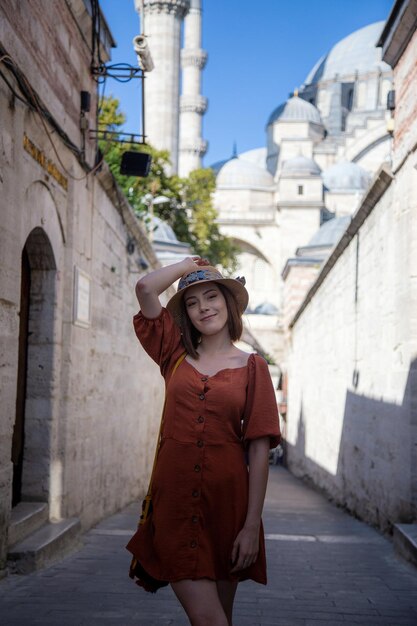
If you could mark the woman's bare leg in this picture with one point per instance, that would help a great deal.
(200, 600)
(227, 590)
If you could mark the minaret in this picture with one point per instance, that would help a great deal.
(161, 23)
(192, 103)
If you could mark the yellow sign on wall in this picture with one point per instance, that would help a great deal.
(47, 164)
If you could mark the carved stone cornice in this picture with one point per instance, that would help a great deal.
(198, 146)
(193, 104)
(179, 8)
(194, 57)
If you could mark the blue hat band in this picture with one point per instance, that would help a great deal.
(196, 276)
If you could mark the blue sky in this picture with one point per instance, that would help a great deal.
(258, 53)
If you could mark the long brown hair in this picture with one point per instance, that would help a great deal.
(191, 336)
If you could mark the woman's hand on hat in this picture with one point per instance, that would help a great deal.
(194, 262)
(189, 264)
(200, 262)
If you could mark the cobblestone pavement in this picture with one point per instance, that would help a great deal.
(325, 569)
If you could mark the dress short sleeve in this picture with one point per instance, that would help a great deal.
(160, 337)
(261, 411)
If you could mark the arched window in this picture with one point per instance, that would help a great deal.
(349, 103)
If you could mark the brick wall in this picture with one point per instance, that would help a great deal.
(405, 80)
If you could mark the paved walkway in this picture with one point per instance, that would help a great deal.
(325, 569)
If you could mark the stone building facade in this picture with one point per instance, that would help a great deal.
(351, 423)
(80, 399)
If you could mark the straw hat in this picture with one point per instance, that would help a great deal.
(207, 274)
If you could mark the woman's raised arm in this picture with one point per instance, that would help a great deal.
(149, 288)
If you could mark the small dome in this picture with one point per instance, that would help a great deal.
(330, 232)
(266, 308)
(163, 231)
(300, 166)
(355, 53)
(345, 176)
(239, 173)
(295, 110)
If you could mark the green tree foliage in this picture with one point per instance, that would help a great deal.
(206, 238)
(189, 211)
(110, 118)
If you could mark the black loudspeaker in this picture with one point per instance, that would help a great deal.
(85, 101)
(135, 164)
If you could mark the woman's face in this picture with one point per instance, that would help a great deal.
(206, 308)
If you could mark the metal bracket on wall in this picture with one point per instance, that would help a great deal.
(123, 72)
(117, 136)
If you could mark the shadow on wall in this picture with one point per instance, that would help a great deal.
(376, 476)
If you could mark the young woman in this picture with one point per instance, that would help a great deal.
(220, 420)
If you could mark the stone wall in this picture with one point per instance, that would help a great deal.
(352, 387)
(297, 281)
(351, 426)
(31, 35)
(93, 397)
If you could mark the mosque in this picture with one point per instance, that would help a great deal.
(287, 203)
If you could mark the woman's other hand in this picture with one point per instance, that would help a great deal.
(245, 548)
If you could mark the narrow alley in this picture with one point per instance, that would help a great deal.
(325, 568)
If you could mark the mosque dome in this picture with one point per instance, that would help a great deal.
(257, 156)
(330, 232)
(355, 53)
(240, 173)
(295, 110)
(345, 176)
(217, 166)
(300, 166)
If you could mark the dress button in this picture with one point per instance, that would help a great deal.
(200, 443)
(204, 379)
(195, 493)
(194, 519)
(200, 419)
(197, 468)
(201, 396)
(193, 544)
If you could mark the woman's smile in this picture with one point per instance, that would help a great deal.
(207, 318)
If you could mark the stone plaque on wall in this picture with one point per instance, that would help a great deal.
(82, 298)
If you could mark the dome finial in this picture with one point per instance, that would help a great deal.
(296, 92)
(234, 153)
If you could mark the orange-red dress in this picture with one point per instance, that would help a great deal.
(200, 485)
